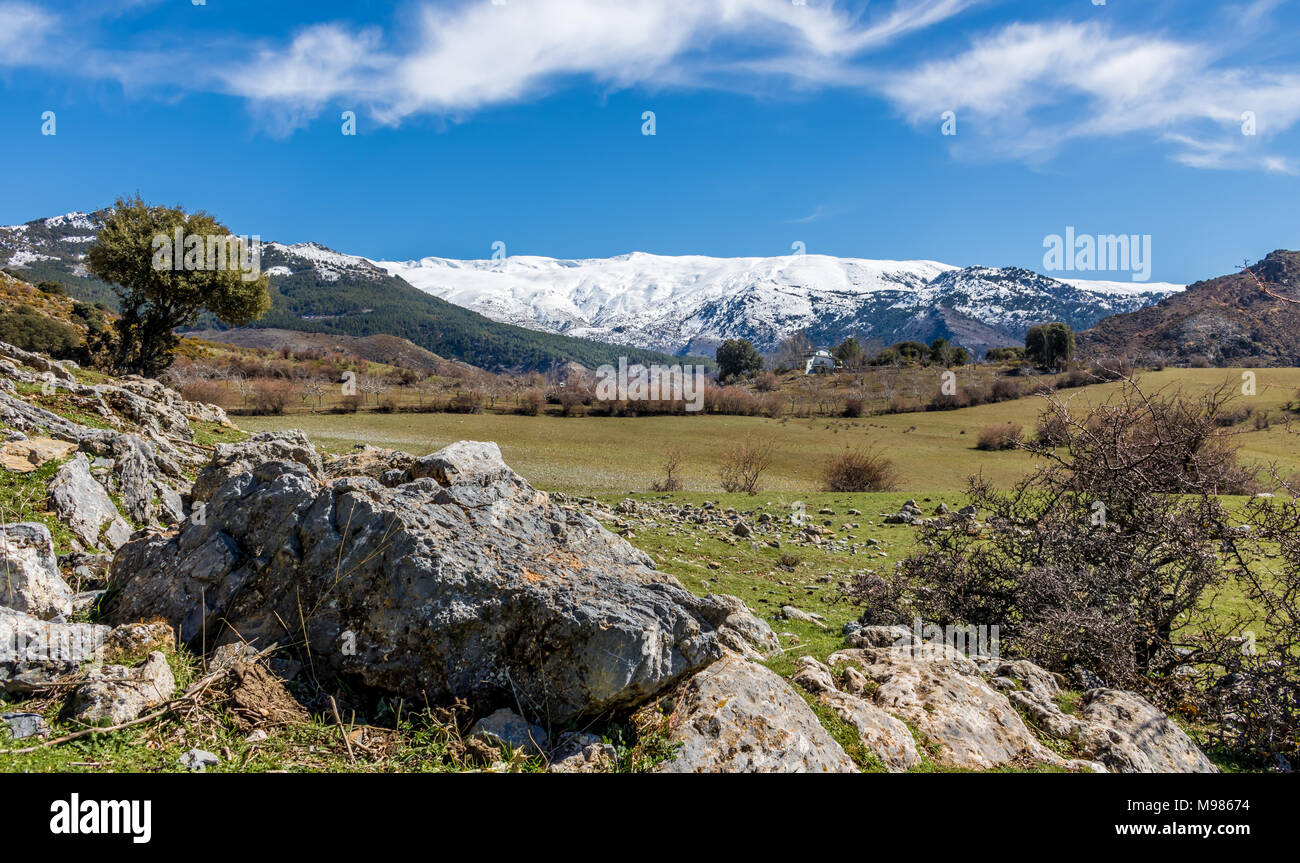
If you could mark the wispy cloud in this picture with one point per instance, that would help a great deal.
(24, 33)
(1022, 91)
(817, 213)
(481, 54)
(1028, 89)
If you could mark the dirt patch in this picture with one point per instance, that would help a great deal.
(258, 699)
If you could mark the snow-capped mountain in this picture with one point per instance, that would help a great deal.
(691, 303)
(681, 305)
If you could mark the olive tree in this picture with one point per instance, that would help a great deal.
(166, 267)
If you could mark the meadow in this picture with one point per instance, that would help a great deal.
(934, 451)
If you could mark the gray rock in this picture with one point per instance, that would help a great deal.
(197, 760)
(739, 630)
(740, 717)
(789, 612)
(942, 693)
(88, 570)
(23, 725)
(582, 753)
(1121, 731)
(478, 588)
(233, 459)
(881, 636)
(374, 462)
(115, 694)
(1149, 741)
(30, 580)
(35, 653)
(86, 601)
(85, 507)
(812, 675)
(505, 727)
(887, 738)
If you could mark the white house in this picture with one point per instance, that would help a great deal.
(819, 361)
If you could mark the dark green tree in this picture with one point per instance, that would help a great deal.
(849, 352)
(1050, 345)
(161, 287)
(946, 354)
(913, 352)
(738, 358)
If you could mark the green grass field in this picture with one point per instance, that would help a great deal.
(934, 451)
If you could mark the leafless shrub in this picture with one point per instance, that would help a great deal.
(999, 437)
(744, 463)
(859, 470)
(948, 401)
(470, 402)
(1104, 557)
(272, 396)
(671, 466)
(1253, 707)
(207, 391)
(532, 402)
(1006, 389)
(572, 403)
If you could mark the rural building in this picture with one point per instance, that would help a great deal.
(819, 361)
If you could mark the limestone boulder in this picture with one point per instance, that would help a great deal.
(465, 582)
(30, 580)
(113, 694)
(85, 507)
(739, 717)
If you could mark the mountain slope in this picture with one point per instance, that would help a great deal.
(536, 313)
(692, 303)
(314, 289)
(1223, 321)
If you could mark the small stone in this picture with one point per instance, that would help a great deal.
(506, 727)
(198, 760)
(23, 725)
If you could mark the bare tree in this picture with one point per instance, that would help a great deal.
(671, 465)
(744, 463)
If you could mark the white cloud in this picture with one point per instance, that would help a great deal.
(482, 54)
(24, 31)
(1029, 88)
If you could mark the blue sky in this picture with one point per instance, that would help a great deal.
(775, 123)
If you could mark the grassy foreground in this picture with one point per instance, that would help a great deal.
(608, 458)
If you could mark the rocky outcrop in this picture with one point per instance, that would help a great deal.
(85, 507)
(141, 435)
(232, 459)
(465, 582)
(739, 717)
(30, 581)
(114, 694)
(1121, 730)
(35, 653)
(25, 456)
(944, 695)
(372, 461)
(582, 753)
(885, 737)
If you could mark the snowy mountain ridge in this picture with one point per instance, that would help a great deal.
(686, 304)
